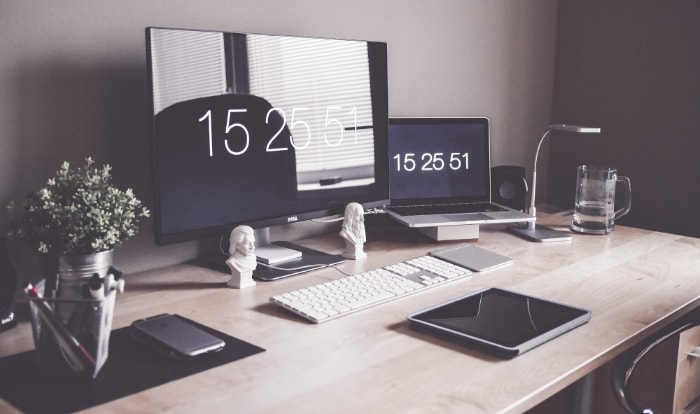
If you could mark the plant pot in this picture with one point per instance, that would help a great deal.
(66, 275)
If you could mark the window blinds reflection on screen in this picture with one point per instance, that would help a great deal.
(186, 65)
(324, 83)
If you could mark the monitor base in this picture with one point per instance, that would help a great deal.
(307, 260)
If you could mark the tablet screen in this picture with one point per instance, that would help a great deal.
(502, 317)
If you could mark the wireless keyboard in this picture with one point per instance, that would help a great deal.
(330, 300)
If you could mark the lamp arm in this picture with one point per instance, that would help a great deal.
(533, 211)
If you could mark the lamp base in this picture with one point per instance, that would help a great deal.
(539, 233)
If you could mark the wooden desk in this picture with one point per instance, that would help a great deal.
(634, 281)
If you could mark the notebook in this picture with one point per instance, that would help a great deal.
(440, 173)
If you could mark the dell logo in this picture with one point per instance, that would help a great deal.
(8, 319)
(292, 219)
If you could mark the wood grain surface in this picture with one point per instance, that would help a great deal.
(634, 282)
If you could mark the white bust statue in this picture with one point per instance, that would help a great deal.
(241, 259)
(353, 231)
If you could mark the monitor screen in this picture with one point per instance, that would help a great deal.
(263, 130)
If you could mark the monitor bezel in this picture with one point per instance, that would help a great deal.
(378, 82)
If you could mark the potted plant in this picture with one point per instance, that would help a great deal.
(78, 216)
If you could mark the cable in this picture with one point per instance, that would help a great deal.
(315, 266)
(341, 272)
(367, 212)
(221, 248)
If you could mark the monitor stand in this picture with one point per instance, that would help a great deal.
(458, 232)
(280, 259)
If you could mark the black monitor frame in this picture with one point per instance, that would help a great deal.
(335, 201)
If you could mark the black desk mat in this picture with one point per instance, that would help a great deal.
(130, 368)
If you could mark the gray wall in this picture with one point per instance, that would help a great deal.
(633, 68)
(73, 80)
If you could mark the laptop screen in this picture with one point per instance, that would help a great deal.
(439, 160)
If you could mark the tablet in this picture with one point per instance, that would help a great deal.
(500, 321)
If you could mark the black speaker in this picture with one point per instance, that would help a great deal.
(509, 187)
(8, 287)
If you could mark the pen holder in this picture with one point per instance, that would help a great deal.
(77, 344)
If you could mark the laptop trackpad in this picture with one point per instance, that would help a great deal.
(501, 215)
(466, 217)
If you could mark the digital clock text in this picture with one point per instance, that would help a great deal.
(331, 129)
(431, 161)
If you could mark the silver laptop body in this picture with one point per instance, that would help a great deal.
(443, 163)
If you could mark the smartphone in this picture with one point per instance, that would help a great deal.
(175, 336)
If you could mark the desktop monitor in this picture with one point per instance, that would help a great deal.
(263, 130)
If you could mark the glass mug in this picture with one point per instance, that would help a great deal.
(594, 208)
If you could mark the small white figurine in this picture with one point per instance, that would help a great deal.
(242, 257)
(353, 231)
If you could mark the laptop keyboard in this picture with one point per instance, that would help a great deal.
(446, 209)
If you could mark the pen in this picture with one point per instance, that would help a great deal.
(113, 280)
(97, 291)
(51, 285)
(80, 312)
(85, 313)
(77, 356)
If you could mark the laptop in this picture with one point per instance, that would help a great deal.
(440, 173)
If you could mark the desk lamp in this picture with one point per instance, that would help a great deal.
(537, 232)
